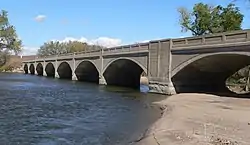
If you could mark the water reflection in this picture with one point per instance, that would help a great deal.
(144, 88)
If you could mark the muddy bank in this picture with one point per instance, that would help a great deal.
(200, 119)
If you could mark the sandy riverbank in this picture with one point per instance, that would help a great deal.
(200, 119)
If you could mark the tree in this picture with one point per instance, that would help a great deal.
(76, 46)
(9, 42)
(207, 19)
(57, 48)
(52, 48)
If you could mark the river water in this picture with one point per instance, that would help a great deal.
(45, 111)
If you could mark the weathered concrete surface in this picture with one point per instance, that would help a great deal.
(171, 65)
(200, 119)
(162, 88)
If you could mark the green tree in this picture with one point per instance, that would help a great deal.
(52, 48)
(76, 46)
(207, 19)
(9, 42)
(57, 48)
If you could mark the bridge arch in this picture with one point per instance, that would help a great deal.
(64, 70)
(87, 71)
(50, 70)
(32, 69)
(208, 72)
(26, 68)
(124, 72)
(39, 69)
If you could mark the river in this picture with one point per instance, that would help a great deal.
(46, 111)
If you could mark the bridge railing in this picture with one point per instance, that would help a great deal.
(70, 54)
(105, 51)
(86, 52)
(127, 48)
(213, 39)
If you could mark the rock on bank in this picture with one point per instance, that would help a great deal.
(201, 119)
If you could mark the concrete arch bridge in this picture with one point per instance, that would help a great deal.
(192, 64)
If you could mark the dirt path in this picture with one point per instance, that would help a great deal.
(201, 119)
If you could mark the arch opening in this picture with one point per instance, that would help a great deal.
(32, 69)
(123, 72)
(64, 71)
(26, 69)
(39, 69)
(50, 70)
(209, 73)
(87, 72)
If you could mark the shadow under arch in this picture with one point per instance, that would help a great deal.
(32, 69)
(86, 71)
(124, 72)
(64, 71)
(207, 73)
(26, 69)
(39, 69)
(50, 70)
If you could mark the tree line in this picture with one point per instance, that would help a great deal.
(57, 47)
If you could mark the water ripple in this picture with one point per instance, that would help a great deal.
(43, 111)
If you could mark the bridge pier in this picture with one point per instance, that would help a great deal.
(102, 80)
(44, 73)
(57, 75)
(35, 71)
(74, 77)
(161, 88)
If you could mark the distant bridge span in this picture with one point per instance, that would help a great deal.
(192, 64)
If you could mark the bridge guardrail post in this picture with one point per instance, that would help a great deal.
(203, 40)
(248, 35)
(139, 47)
(224, 39)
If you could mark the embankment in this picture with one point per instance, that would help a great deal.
(200, 119)
(14, 63)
